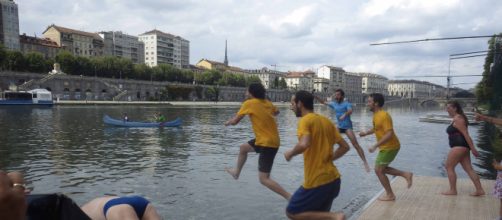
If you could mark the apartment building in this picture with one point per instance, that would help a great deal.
(45, 46)
(300, 80)
(373, 83)
(268, 77)
(9, 25)
(123, 45)
(353, 87)
(79, 43)
(415, 89)
(165, 48)
(335, 75)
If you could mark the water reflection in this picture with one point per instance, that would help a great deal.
(489, 141)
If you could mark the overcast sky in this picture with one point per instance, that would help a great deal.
(296, 35)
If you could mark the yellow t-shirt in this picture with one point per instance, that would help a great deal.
(318, 166)
(261, 112)
(382, 122)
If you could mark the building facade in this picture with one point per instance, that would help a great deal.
(79, 43)
(165, 48)
(414, 89)
(122, 45)
(353, 87)
(300, 80)
(268, 77)
(9, 25)
(221, 67)
(45, 46)
(335, 75)
(373, 83)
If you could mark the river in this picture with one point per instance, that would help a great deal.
(68, 149)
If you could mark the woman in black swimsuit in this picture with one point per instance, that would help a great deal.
(460, 144)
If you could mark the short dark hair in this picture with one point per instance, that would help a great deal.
(257, 90)
(378, 98)
(340, 91)
(306, 98)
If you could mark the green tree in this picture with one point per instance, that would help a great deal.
(3, 56)
(15, 61)
(283, 84)
(485, 88)
(36, 63)
(67, 62)
(252, 79)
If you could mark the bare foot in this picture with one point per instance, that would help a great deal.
(338, 216)
(232, 172)
(409, 178)
(449, 193)
(367, 167)
(478, 193)
(387, 198)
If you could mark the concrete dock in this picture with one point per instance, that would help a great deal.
(424, 201)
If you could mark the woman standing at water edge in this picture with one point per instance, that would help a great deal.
(261, 113)
(460, 144)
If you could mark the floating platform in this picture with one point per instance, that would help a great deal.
(425, 201)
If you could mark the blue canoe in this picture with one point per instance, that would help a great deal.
(111, 121)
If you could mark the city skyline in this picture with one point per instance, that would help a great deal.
(296, 36)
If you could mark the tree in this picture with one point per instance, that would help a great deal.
(252, 79)
(3, 56)
(15, 61)
(283, 84)
(67, 62)
(36, 63)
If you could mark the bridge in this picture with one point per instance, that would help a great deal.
(465, 102)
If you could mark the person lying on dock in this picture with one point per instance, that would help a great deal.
(118, 208)
(261, 113)
(388, 144)
(316, 137)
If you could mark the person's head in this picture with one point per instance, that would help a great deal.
(339, 95)
(375, 101)
(256, 90)
(453, 108)
(302, 101)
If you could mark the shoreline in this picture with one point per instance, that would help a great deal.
(166, 103)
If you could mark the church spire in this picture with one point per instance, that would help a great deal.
(226, 58)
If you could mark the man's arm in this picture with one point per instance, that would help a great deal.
(301, 146)
(320, 100)
(386, 137)
(341, 150)
(235, 120)
(368, 132)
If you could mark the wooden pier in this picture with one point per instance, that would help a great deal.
(424, 201)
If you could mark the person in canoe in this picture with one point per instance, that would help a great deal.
(159, 117)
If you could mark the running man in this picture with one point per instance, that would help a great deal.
(261, 113)
(388, 143)
(343, 110)
(316, 137)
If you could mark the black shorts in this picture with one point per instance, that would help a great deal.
(267, 155)
(342, 130)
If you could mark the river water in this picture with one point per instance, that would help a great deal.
(68, 149)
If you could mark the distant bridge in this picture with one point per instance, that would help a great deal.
(465, 102)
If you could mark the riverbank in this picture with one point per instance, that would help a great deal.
(158, 103)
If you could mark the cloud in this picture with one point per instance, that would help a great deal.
(295, 35)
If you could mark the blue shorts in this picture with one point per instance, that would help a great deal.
(317, 199)
(137, 202)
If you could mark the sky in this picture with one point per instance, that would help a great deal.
(297, 35)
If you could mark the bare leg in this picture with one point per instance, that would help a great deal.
(395, 172)
(500, 210)
(359, 149)
(243, 155)
(466, 164)
(121, 212)
(454, 157)
(317, 216)
(384, 180)
(272, 185)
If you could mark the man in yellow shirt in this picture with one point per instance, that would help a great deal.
(316, 137)
(261, 113)
(387, 142)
